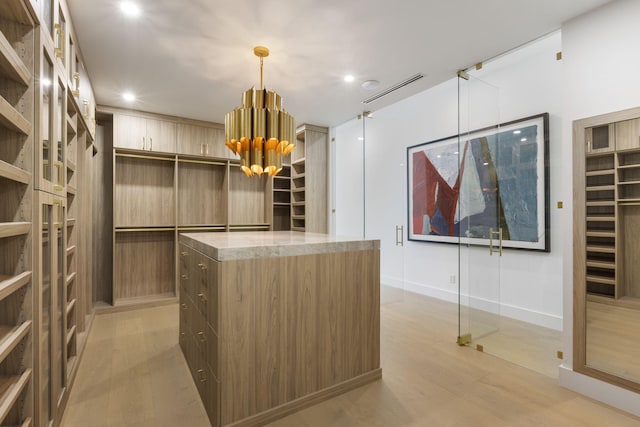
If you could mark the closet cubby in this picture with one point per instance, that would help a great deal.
(202, 196)
(247, 207)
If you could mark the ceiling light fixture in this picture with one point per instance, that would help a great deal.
(128, 96)
(260, 131)
(349, 78)
(370, 84)
(130, 9)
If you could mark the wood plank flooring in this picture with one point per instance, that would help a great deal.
(133, 374)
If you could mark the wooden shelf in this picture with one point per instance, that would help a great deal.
(628, 201)
(218, 227)
(71, 278)
(249, 226)
(11, 66)
(14, 173)
(70, 333)
(11, 336)
(71, 190)
(628, 182)
(10, 389)
(602, 249)
(636, 166)
(607, 265)
(298, 203)
(10, 284)
(150, 299)
(71, 222)
(277, 204)
(297, 190)
(10, 229)
(601, 188)
(15, 10)
(601, 280)
(603, 172)
(601, 203)
(144, 229)
(601, 234)
(297, 228)
(71, 165)
(298, 162)
(70, 306)
(601, 218)
(71, 250)
(11, 119)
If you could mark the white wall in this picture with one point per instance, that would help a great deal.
(528, 82)
(601, 63)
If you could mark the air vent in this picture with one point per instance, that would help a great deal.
(393, 88)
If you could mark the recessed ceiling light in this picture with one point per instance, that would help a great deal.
(516, 132)
(128, 96)
(486, 163)
(45, 82)
(370, 84)
(130, 9)
(360, 138)
(349, 78)
(523, 139)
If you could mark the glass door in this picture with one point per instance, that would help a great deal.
(479, 211)
(385, 172)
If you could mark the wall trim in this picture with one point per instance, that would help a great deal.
(545, 320)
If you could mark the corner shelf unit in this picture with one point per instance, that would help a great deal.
(612, 211)
(17, 50)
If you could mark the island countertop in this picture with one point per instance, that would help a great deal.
(227, 246)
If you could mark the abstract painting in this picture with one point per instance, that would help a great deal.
(463, 187)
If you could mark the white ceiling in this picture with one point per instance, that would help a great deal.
(194, 58)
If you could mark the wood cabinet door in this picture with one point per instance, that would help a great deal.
(161, 136)
(191, 139)
(628, 134)
(214, 144)
(129, 132)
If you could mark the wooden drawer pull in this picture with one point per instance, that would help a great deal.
(202, 297)
(184, 277)
(202, 266)
(203, 337)
(184, 253)
(184, 306)
(201, 374)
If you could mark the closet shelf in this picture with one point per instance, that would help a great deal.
(70, 333)
(601, 219)
(11, 336)
(71, 190)
(10, 389)
(11, 119)
(11, 66)
(15, 10)
(70, 306)
(71, 278)
(10, 229)
(14, 173)
(628, 182)
(635, 166)
(10, 284)
(71, 250)
(601, 203)
(71, 165)
(601, 234)
(607, 265)
(602, 249)
(601, 188)
(601, 172)
(601, 280)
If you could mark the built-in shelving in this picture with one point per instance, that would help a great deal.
(10, 389)
(14, 173)
(11, 119)
(10, 284)
(11, 229)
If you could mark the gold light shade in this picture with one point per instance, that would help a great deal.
(260, 131)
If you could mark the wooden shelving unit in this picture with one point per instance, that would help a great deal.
(17, 50)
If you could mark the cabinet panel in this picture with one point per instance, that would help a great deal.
(129, 132)
(143, 265)
(161, 136)
(202, 194)
(144, 192)
(628, 134)
(600, 138)
(201, 141)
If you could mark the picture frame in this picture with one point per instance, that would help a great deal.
(462, 188)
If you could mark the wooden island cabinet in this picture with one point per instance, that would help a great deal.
(272, 322)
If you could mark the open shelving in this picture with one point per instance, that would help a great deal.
(16, 180)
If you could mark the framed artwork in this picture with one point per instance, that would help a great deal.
(463, 187)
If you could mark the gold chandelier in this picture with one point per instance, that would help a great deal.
(260, 131)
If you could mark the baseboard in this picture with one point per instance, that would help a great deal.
(308, 400)
(612, 395)
(519, 313)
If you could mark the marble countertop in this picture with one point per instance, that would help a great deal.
(269, 244)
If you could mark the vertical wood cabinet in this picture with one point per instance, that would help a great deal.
(140, 133)
(17, 55)
(309, 165)
(610, 209)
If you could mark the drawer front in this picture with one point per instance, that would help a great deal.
(212, 351)
(212, 294)
(212, 402)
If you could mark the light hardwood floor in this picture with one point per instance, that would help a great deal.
(133, 374)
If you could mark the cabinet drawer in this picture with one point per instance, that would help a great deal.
(212, 351)
(211, 399)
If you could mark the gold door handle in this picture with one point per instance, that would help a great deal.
(143, 142)
(59, 50)
(202, 297)
(202, 266)
(150, 144)
(76, 83)
(184, 277)
(203, 337)
(499, 234)
(184, 306)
